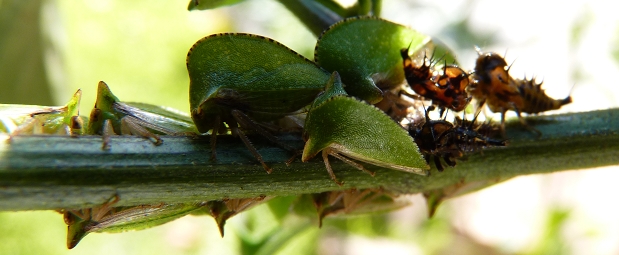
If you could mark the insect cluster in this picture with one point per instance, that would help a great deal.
(450, 87)
(355, 101)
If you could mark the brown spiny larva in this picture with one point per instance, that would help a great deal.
(442, 139)
(535, 100)
(492, 85)
(473, 136)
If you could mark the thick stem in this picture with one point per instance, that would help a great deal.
(315, 15)
(52, 172)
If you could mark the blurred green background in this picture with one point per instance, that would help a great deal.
(49, 49)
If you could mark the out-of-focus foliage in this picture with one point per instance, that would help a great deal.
(210, 4)
(22, 70)
(32, 233)
(552, 240)
(137, 47)
(615, 49)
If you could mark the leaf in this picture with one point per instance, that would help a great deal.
(210, 4)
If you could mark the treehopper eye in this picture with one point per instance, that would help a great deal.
(111, 116)
(106, 218)
(242, 79)
(366, 53)
(346, 128)
(35, 119)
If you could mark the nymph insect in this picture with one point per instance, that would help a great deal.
(492, 85)
(347, 128)
(361, 50)
(222, 210)
(107, 218)
(37, 120)
(442, 139)
(243, 80)
(354, 202)
(446, 88)
(110, 116)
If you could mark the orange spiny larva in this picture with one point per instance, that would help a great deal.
(445, 87)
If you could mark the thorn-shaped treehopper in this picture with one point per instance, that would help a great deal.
(48, 120)
(111, 116)
(366, 53)
(222, 210)
(242, 79)
(347, 128)
(107, 218)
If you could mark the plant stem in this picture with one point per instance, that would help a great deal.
(53, 172)
(315, 15)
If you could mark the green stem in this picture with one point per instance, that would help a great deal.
(318, 15)
(315, 15)
(52, 172)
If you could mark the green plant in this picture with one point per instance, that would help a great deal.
(182, 174)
